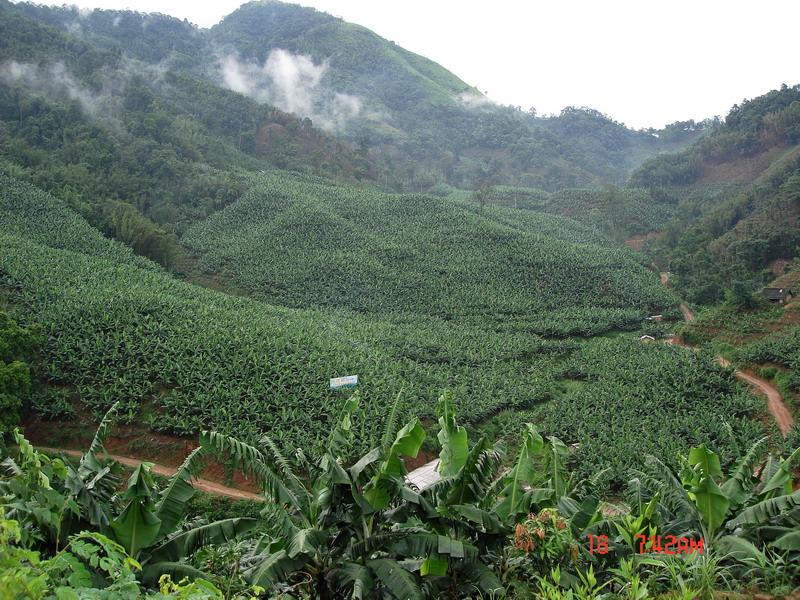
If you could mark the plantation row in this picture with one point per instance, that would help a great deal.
(302, 243)
(625, 399)
(37, 216)
(195, 358)
(651, 399)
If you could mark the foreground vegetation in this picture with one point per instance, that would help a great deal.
(337, 523)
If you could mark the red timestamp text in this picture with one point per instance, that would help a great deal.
(653, 544)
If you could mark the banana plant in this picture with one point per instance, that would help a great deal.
(60, 498)
(149, 525)
(330, 525)
(755, 501)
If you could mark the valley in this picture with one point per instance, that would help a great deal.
(201, 227)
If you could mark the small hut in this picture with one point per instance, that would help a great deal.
(777, 295)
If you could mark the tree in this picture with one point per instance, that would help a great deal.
(482, 195)
(740, 295)
(16, 351)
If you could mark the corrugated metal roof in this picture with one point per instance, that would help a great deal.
(425, 476)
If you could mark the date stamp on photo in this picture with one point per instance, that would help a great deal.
(653, 544)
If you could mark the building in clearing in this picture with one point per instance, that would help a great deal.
(778, 295)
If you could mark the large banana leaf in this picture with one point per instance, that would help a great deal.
(706, 461)
(471, 483)
(341, 435)
(391, 419)
(790, 541)
(369, 458)
(251, 460)
(177, 570)
(739, 548)
(137, 526)
(520, 474)
(392, 471)
(658, 477)
(763, 512)
(172, 504)
(711, 502)
(781, 480)
(580, 515)
(422, 543)
(452, 437)
(353, 576)
(556, 454)
(182, 545)
(103, 430)
(273, 568)
(487, 521)
(399, 582)
(305, 541)
(290, 478)
(741, 481)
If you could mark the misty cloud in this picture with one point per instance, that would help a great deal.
(291, 82)
(53, 80)
(56, 82)
(473, 100)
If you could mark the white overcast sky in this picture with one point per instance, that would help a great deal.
(642, 62)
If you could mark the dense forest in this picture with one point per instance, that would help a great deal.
(735, 194)
(201, 230)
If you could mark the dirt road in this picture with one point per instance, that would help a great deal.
(204, 485)
(688, 315)
(775, 404)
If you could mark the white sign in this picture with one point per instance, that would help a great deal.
(350, 381)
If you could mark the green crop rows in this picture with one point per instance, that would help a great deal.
(303, 243)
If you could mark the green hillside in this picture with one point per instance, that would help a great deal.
(736, 194)
(311, 244)
(180, 358)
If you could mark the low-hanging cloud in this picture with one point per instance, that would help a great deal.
(291, 82)
(475, 100)
(53, 80)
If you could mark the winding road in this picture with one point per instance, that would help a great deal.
(775, 404)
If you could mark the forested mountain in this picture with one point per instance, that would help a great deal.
(139, 149)
(414, 122)
(735, 194)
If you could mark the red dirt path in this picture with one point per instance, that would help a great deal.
(775, 404)
(204, 485)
